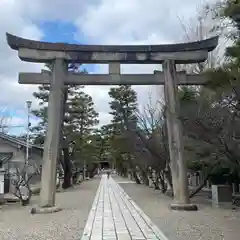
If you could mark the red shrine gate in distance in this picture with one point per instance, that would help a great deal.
(60, 54)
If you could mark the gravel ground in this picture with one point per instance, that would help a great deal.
(206, 224)
(16, 223)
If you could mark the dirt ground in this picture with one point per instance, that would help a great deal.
(16, 223)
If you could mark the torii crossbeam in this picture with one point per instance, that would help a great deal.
(112, 79)
(36, 51)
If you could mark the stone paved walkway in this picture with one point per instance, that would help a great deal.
(114, 215)
(208, 223)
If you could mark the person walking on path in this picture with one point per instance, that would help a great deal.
(108, 173)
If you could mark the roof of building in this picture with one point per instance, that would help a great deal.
(18, 141)
(4, 157)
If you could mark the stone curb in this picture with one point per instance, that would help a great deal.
(154, 228)
(183, 207)
(44, 210)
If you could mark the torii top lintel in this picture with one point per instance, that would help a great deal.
(112, 53)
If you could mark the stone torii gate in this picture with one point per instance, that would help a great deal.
(60, 54)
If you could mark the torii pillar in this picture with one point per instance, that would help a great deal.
(175, 140)
(52, 141)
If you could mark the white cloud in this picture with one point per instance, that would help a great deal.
(12, 19)
(105, 118)
(102, 22)
(53, 10)
(134, 22)
(121, 21)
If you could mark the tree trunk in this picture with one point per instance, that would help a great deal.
(200, 187)
(134, 173)
(163, 184)
(67, 169)
(155, 183)
(145, 177)
(168, 177)
(137, 180)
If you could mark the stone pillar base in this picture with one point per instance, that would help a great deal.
(2, 200)
(169, 193)
(43, 210)
(150, 183)
(183, 207)
(226, 205)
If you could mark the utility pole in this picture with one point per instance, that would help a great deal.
(29, 103)
(84, 162)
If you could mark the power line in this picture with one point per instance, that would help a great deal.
(16, 126)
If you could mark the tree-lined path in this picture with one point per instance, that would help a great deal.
(187, 141)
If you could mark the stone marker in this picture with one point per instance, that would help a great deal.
(24, 192)
(150, 182)
(2, 173)
(222, 195)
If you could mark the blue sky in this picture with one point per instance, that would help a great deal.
(85, 22)
(59, 31)
(53, 31)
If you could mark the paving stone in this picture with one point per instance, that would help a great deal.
(115, 216)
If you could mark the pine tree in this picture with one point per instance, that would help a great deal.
(225, 79)
(39, 131)
(80, 115)
(219, 105)
(79, 119)
(123, 108)
(123, 105)
(82, 118)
